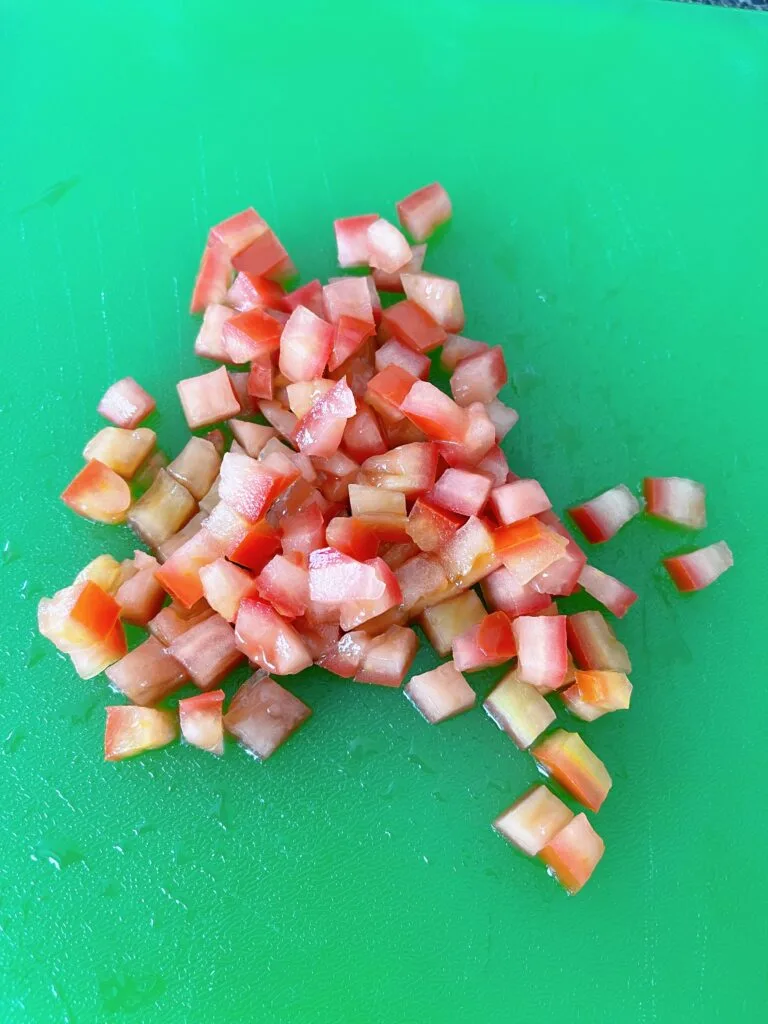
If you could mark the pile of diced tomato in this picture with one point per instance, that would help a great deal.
(331, 497)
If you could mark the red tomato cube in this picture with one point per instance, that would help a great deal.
(168, 623)
(252, 292)
(435, 413)
(356, 611)
(700, 568)
(196, 466)
(457, 348)
(285, 586)
(213, 277)
(250, 487)
(677, 500)
(485, 644)
(518, 500)
(424, 210)
(502, 417)
(528, 548)
(470, 554)
(413, 326)
(225, 585)
(610, 592)
(480, 377)
(126, 403)
(352, 239)
(320, 430)
(396, 353)
(460, 491)
(309, 295)
(141, 596)
(180, 575)
(502, 592)
(305, 345)
(98, 493)
(410, 468)
(562, 576)
(439, 296)
(250, 335)
(268, 640)
(596, 693)
(603, 516)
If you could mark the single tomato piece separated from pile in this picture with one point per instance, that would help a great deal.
(355, 497)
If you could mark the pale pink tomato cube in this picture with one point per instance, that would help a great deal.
(676, 499)
(414, 326)
(486, 644)
(318, 637)
(131, 730)
(445, 621)
(196, 466)
(424, 210)
(528, 547)
(302, 533)
(519, 710)
(98, 493)
(457, 348)
(176, 540)
(348, 296)
(344, 657)
(126, 403)
(542, 650)
(410, 468)
(335, 577)
(567, 758)
(251, 436)
(594, 644)
(263, 715)
(251, 335)
(202, 722)
(309, 295)
(264, 256)
(141, 596)
(603, 516)
(502, 591)
(431, 527)
(423, 582)
(561, 577)
(439, 296)
(252, 292)
(388, 248)
(249, 406)
(518, 500)
(470, 554)
(91, 661)
(502, 417)
(121, 450)
(393, 282)
(180, 574)
(268, 640)
(440, 694)
(305, 345)
(700, 568)
(479, 378)
(320, 430)
(362, 437)
(162, 510)
(407, 358)
(78, 616)
(207, 651)
(237, 232)
(435, 413)
(352, 239)
(302, 394)
(365, 500)
(168, 623)
(534, 820)
(373, 295)
(279, 417)
(574, 853)
(356, 611)
(460, 491)
(478, 440)
(213, 277)
(495, 466)
(285, 586)
(349, 337)
(388, 657)
(596, 693)
(209, 343)
(148, 673)
(616, 596)
(208, 398)
(225, 585)
(250, 487)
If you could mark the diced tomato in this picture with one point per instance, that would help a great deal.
(460, 491)
(444, 622)
(309, 295)
(126, 403)
(279, 417)
(566, 757)
(477, 442)
(413, 326)
(208, 398)
(207, 651)
(196, 466)
(104, 570)
(431, 527)
(542, 651)
(362, 436)
(237, 232)
(302, 462)
(374, 297)
(349, 336)
(502, 591)
(392, 282)
(90, 661)
(201, 721)
(488, 643)
(251, 436)
(345, 656)
(518, 500)
(261, 378)
(479, 378)
(527, 548)
(320, 431)
(699, 568)
(224, 587)
(98, 493)
(141, 596)
(78, 616)
(162, 510)
(594, 645)
(358, 370)
(357, 611)
(603, 516)
(396, 555)
(457, 348)
(268, 640)
(148, 673)
(251, 292)
(239, 382)
(352, 537)
(250, 487)
(265, 257)
(596, 693)
(470, 554)
(248, 544)
(335, 577)
(562, 576)
(424, 210)
(302, 533)
(411, 468)
(610, 592)
(348, 296)
(352, 239)
(370, 501)
(435, 413)
(250, 334)
(175, 541)
(121, 450)
(502, 417)
(217, 439)
(318, 637)
(394, 352)
(305, 345)
(263, 715)
(423, 582)
(302, 394)
(213, 277)
(388, 248)
(387, 391)
(180, 574)
(574, 853)
(495, 466)
(440, 693)
(534, 820)
(132, 730)
(519, 709)
(388, 657)
(168, 623)
(285, 585)
(439, 296)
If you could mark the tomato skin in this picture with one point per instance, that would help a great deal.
(98, 493)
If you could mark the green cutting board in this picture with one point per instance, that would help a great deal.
(607, 165)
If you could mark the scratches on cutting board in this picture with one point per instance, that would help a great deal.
(648, 1007)
(63, 263)
(203, 176)
(53, 194)
(144, 282)
(99, 249)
